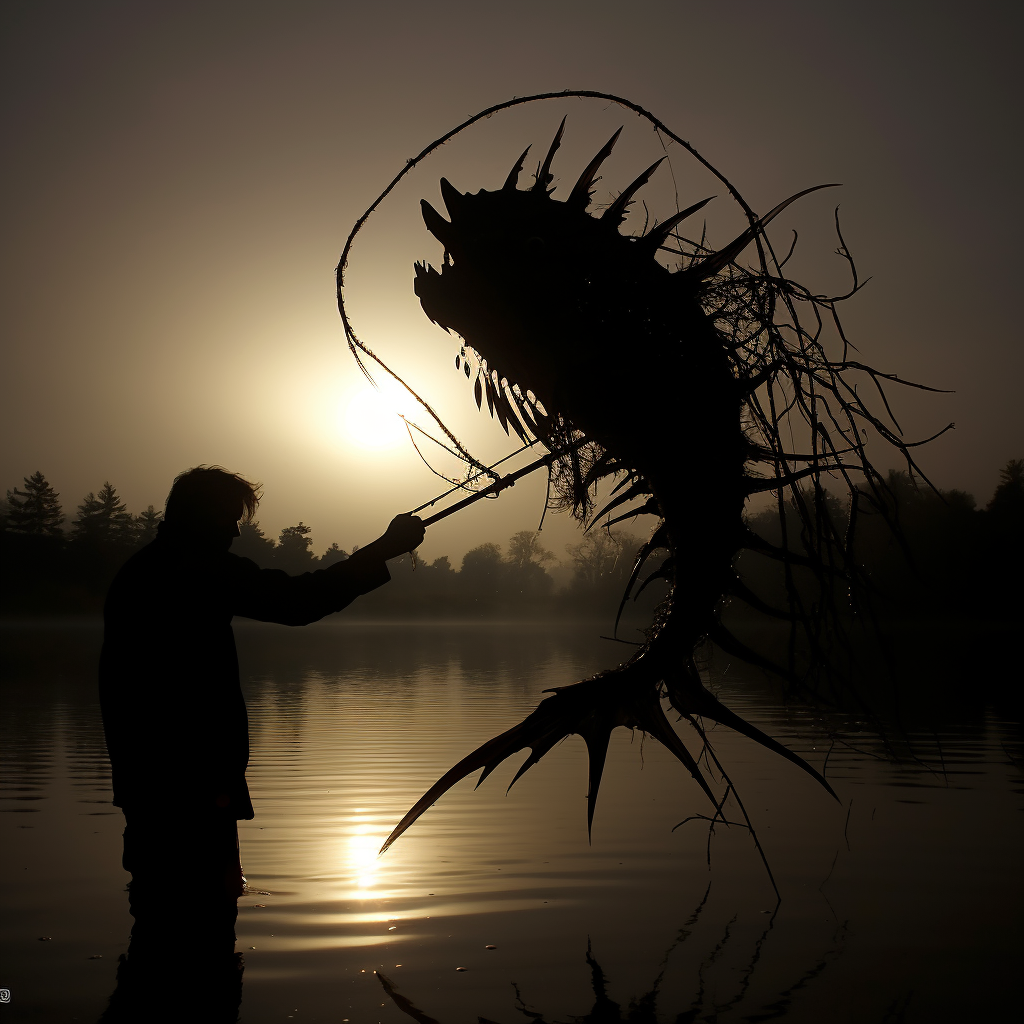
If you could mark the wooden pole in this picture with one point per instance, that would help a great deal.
(495, 488)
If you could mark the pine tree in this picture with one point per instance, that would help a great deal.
(1008, 501)
(35, 509)
(103, 518)
(146, 523)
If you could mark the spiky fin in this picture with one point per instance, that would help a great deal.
(581, 194)
(657, 236)
(544, 174)
(616, 213)
(513, 176)
(721, 259)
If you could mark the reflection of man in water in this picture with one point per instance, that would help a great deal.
(173, 712)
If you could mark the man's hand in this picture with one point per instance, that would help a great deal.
(405, 533)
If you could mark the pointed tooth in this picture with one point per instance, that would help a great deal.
(489, 395)
(649, 507)
(616, 213)
(453, 198)
(655, 238)
(524, 413)
(638, 488)
(628, 481)
(436, 224)
(602, 468)
(513, 176)
(580, 194)
(507, 417)
(721, 259)
(544, 174)
(499, 403)
(515, 423)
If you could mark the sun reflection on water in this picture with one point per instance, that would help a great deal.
(364, 867)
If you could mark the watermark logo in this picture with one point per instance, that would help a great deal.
(5, 995)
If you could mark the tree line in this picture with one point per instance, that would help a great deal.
(945, 557)
(53, 565)
(948, 557)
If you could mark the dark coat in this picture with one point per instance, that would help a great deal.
(173, 712)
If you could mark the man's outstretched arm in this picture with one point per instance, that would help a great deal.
(270, 595)
(404, 533)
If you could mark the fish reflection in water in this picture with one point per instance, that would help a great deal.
(644, 1009)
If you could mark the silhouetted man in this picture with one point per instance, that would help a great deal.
(173, 712)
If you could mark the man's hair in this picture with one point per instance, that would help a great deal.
(210, 492)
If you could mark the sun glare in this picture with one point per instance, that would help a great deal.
(363, 862)
(371, 419)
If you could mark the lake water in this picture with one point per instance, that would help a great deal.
(902, 903)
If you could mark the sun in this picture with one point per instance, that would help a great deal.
(372, 419)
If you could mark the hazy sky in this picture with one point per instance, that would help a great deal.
(180, 178)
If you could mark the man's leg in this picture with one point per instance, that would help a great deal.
(186, 880)
(181, 964)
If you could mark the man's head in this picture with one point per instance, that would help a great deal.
(209, 501)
